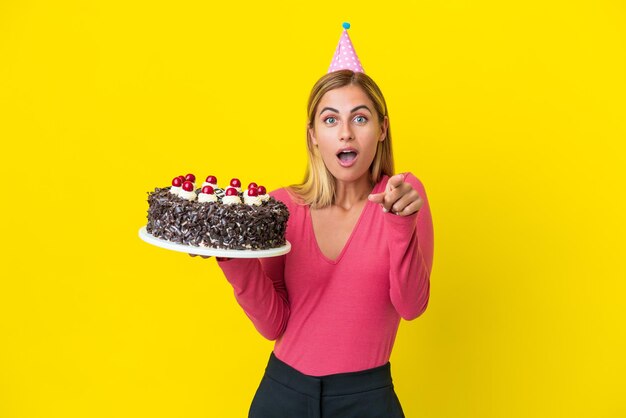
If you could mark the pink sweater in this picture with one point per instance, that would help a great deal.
(335, 316)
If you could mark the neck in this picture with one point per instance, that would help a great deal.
(348, 194)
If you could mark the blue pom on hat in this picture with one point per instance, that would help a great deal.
(345, 25)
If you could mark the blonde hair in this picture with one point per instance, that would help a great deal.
(318, 187)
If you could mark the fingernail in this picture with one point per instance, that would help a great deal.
(385, 209)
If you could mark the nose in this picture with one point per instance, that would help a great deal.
(345, 134)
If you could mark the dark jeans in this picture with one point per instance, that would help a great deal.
(284, 392)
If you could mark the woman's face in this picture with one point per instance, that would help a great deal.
(346, 131)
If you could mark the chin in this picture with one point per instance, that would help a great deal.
(349, 176)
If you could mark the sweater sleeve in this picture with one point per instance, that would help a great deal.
(410, 241)
(260, 290)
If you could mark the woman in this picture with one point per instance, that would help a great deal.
(362, 247)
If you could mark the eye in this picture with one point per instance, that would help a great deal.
(330, 119)
(360, 119)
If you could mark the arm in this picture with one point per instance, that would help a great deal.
(410, 242)
(260, 290)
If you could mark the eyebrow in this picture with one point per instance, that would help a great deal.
(352, 111)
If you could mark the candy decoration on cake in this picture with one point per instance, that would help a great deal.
(176, 186)
(263, 194)
(251, 185)
(220, 193)
(207, 194)
(232, 197)
(210, 181)
(236, 184)
(251, 197)
(188, 192)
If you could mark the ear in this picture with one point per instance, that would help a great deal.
(312, 135)
(383, 128)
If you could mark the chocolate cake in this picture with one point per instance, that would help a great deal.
(200, 217)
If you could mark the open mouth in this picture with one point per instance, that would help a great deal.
(347, 157)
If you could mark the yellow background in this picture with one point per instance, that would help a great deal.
(511, 113)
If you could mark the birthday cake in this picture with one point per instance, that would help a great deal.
(210, 216)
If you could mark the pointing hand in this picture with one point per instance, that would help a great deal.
(399, 197)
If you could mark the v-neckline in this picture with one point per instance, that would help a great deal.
(377, 189)
(346, 245)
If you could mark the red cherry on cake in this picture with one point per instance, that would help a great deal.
(190, 177)
(262, 190)
(177, 182)
(231, 192)
(188, 186)
(211, 179)
(235, 183)
(208, 190)
(182, 179)
(251, 185)
(253, 191)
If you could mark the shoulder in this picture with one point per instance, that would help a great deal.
(287, 196)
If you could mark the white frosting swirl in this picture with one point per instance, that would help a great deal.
(252, 200)
(205, 197)
(184, 194)
(214, 185)
(231, 200)
(176, 190)
(264, 197)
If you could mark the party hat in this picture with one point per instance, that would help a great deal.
(345, 58)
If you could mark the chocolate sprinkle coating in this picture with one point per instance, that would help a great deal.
(213, 224)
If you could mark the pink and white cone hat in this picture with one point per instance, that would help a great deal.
(345, 57)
